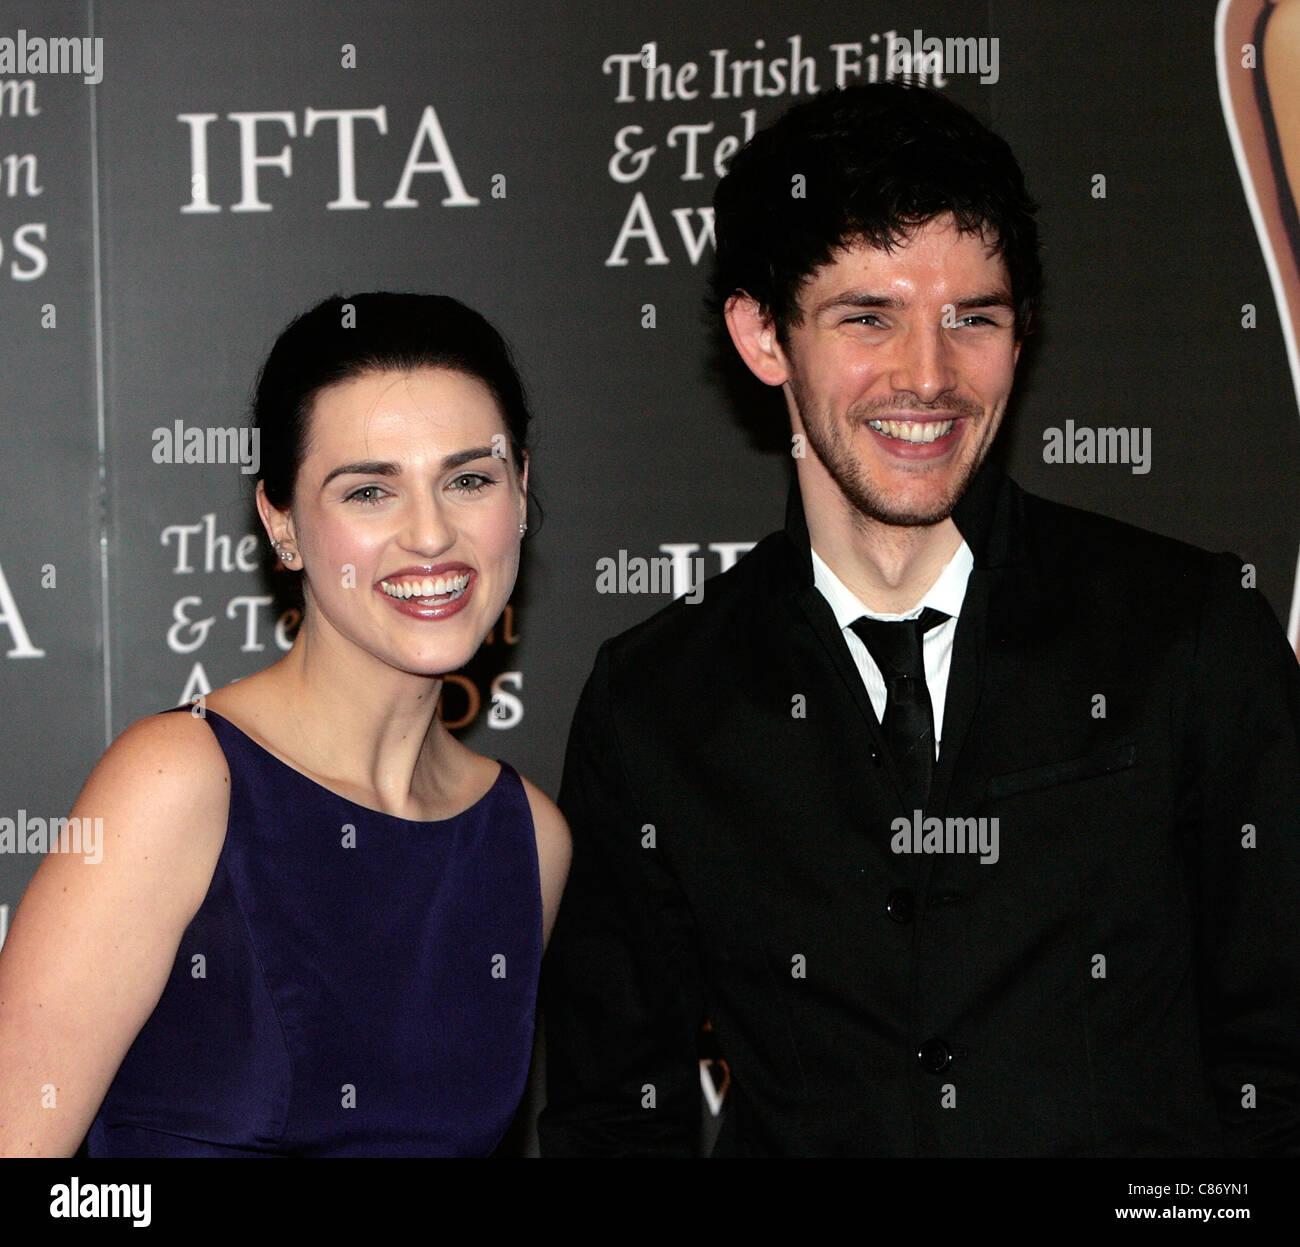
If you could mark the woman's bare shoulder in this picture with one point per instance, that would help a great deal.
(96, 933)
(547, 818)
(554, 851)
(165, 755)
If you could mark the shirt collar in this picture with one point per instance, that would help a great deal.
(946, 594)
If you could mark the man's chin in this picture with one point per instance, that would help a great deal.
(903, 512)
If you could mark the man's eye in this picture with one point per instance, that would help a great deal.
(982, 320)
(869, 319)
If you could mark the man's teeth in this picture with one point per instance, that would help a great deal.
(429, 587)
(919, 431)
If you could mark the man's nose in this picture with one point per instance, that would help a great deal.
(923, 364)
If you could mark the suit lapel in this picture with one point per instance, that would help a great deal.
(965, 679)
(816, 610)
(813, 609)
(990, 516)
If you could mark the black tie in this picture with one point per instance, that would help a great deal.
(908, 724)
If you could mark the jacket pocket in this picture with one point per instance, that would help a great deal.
(1102, 762)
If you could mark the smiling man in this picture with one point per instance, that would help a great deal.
(970, 821)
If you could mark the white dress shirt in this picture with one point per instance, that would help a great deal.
(946, 594)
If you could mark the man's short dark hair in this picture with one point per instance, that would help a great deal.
(866, 164)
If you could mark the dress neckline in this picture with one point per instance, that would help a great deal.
(338, 796)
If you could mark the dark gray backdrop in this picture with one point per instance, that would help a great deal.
(641, 440)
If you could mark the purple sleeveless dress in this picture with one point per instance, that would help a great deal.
(354, 984)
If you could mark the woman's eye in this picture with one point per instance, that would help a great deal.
(367, 495)
(471, 482)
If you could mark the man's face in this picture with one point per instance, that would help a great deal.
(900, 370)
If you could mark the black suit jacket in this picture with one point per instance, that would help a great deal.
(1123, 980)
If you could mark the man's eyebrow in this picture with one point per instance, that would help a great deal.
(994, 298)
(865, 299)
(857, 298)
(380, 467)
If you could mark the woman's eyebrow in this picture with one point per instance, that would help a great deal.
(380, 467)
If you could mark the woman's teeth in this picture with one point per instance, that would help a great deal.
(450, 587)
(919, 431)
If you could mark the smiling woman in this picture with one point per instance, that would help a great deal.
(399, 476)
(337, 911)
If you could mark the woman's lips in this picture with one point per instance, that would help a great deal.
(435, 593)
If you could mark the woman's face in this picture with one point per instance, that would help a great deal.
(406, 516)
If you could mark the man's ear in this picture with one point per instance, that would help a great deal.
(754, 336)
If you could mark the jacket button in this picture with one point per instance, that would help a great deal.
(934, 1055)
(900, 905)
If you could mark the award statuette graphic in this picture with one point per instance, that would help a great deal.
(1257, 49)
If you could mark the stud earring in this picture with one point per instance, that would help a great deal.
(523, 527)
(284, 554)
